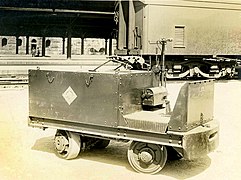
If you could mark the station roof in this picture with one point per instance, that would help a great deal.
(57, 18)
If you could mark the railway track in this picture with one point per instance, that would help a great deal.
(13, 82)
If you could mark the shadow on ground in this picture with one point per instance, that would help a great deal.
(45, 144)
(116, 154)
(183, 169)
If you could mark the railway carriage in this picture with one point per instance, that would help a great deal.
(206, 35)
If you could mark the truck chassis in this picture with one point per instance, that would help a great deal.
(90, 108)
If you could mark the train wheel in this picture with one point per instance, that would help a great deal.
(67, 144)
(147, 158)
(102, 143)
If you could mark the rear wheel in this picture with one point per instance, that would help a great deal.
(146, 157)
(67, 144)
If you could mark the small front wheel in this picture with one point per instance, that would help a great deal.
(146, 157)
(67, 144)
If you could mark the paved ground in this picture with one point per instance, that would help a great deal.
(28, 153)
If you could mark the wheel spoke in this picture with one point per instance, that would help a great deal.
(146, 157)
(67, 144)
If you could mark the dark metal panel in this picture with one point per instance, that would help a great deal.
(83, 97)
(194, 106)
(131, 86)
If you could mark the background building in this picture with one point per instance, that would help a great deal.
(53, 45)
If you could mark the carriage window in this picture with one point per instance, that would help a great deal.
(19, 42)
(48, 42)
(34, 41)
(4, 42)
(179, 38)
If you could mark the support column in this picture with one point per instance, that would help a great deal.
(123, 21)
(63, 50)
(131, 25)
(69, 46)
(43, 46)
(110, 46)
(106, 41)
(82, 46)
(17, 39)
(27, 44)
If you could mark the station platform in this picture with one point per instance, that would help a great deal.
(18, 65)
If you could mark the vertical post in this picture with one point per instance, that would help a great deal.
(27, 44)
(17, 40)
(69, 46)
(63, 50)
(131, 25)
(110, 46)
(43, 46)
(163, 43)
(122, 29)
(82, 46)
(106, 41)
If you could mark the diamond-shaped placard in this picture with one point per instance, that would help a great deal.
(69, 95)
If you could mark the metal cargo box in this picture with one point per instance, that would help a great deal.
(86, 97)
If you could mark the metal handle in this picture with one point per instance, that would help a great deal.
(88, 82)
(49, 77)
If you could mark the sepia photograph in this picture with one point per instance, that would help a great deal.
(120, 89)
